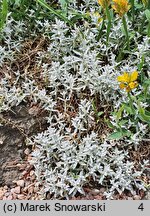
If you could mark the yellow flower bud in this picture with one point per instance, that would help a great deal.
(121, 6)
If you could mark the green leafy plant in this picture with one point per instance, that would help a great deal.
(132, 109)
(55, 12)
(3, 13)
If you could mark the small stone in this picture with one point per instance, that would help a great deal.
(21, 166)
(17, 190)
(10, 197)
(20, 183)
(129, 198)
(31, 173)
(147, 196)
(27, 183)
(21, 196)
(36, 189)
(12, 190)
(7, 194)
(33, 177)
(24, 173)
(27, 151)
(1, 194)
(29, 158)
(6, 187)
(14, 196)
(102, 190)
(98, 197)
(137, 197)
(95, 192)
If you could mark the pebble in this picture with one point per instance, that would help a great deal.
(10, 197)
(147, 196)
(5, 187)
(36, 189)
(31, 172)
(12, 190)
(95, 192)
(21, 197)
(20, 183)
(17, 190)
(136, 197)
(102, 190)
(27, 151)
(33, 178)
(24, 173)
(7, 194)
(130, 198)
(1, 194)
(14, 196)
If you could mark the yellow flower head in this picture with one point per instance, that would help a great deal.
(128, 81)
(104, 3)
(121, 6)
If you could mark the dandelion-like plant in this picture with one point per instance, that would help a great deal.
(128, 81)
(121, 7)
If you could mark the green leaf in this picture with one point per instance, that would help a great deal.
(100, 113)
(143, 114)
(119, 113)
(3, 14)
(128, 109)
(64, 5)
(45, 5)
(141, 64)
(125, 132)
(147, 82)
(115, 135)
(110, 125)
(147, 13)
(123, 122)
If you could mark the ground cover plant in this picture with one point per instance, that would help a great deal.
(85, 64)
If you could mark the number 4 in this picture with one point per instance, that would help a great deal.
(141, 207)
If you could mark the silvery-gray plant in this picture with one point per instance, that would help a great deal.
(70, 152)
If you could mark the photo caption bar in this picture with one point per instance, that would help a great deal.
(74, 207)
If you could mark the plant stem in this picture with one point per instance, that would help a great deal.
(108, 24)
(45, 5)
(148, 29)
(126, 31)
(131, 102)
(133, 11)
(101, 29)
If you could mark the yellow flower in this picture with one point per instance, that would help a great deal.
(133, 85)
(121, 6)
(104, 3)
(128, 81)
(124, 78)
